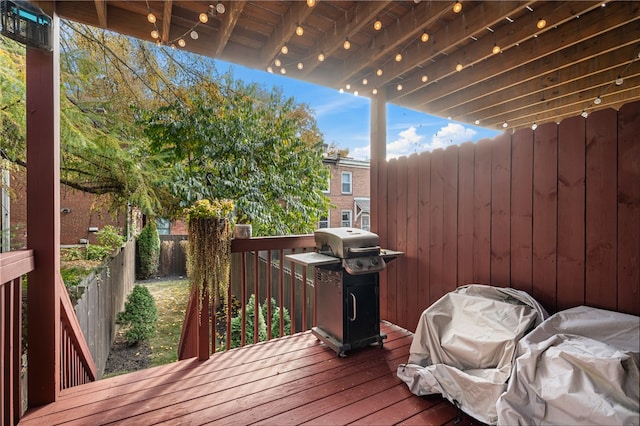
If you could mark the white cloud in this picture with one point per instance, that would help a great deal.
(361, 153)
(451, 134)
(408, 142)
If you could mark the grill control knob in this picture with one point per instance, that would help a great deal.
(358, 264)
(374, 261)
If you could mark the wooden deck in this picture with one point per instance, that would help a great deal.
(292, 380)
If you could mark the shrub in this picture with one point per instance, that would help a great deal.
(95, 252)
(236, 325)
(139, 315)
(71, 253)
(148, 251)
(275, 318)
(110, 237)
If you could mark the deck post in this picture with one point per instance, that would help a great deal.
(43, 219)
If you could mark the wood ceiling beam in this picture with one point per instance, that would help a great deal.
(444, 40)
(280, 36)
(589, 26)
(507, 37)
(356, 18)
(394, 35)
(101, 11)
(592, 64)
(167, 13)
(571, 106)
(229, 21)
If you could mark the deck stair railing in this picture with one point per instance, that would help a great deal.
(258, 267)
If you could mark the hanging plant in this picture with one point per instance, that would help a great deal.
(209, 248)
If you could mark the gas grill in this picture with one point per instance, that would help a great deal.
(347, 264)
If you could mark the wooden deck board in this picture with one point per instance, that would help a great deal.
(292, 380)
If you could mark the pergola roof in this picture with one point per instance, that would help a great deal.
(538, 75)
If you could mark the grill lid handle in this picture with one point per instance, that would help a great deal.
(364, 250)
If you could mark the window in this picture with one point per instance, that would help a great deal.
(346, 218)
(364, 222)
(324, 221)
(327, 190)
(346, 182)
(164, 226)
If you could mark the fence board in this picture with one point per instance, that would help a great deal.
(437, 221)
(424, 230)
(601, 205)
(413, 313)
(482, 213)
(381, 228)
(465, 213)
(501, 211)
(450, 220)
(392, 295)
(629, 209)
(571, 157)
(522, 210)
(401, 239)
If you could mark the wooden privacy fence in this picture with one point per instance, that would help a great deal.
(173, 259)
(103, 296)
(554, 212)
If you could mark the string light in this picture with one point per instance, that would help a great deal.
(424, 78)
(277, 62)
(374, 91)
(597, 101)
(299, 30)
(541, 23)
(182, 43)
(424, 37)
(283, 71)
(364, 81)
(220, 7)
(584, 114)
(204, 18)
(321, 57)
(346, 44)
(311, 3)
(194, 35)
(496, 49)
(534, 126)
(398, 57)
(155, 34)
(459, 67)
(151, 18)
(348, 86)
(399, 87)
(377, 25)
(379, 72)
(505, 125)
(619, 81)
(300, 65)
(457, 7)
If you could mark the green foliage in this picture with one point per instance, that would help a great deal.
(148, 251)
(203, 209)
(96, 252)
(139, 315)
(110, 237)
(71, 253)
(236, 325)
(275, 318)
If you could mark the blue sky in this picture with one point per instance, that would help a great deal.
(343, 118)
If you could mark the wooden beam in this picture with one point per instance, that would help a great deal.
(166, 20)
(356, 18)
(229, 21)
(101, 11)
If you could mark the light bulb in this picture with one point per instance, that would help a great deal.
(477, 122)
(541, 24)
(374, 91)
(277, 62)
(283, 71)
(151, 18)
(534, 126)
(155, 34)
(182, 43)
(399, 87)
(300, 65)
(355, 92)
(284, 49)
(346, 44)
(424, 78)
(457, 7)
(398, 57)
(321, 57)
(311, 3)
(270, 70)
(496, 49)
(348, 86)
(505, 125)
(459, 67)
(299, 30)
(364, 81)
(379, 72)
(203, 17)
(220, 8)
(597, 101)
(584, 114)
(377, 25)
(341, 90)
(619, 81)
(424, 37)
(194, 34)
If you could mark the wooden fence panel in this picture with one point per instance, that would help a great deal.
(501, 211)
(424, 230)
(601, 208)
(437, 221)
(391, 269)
(571, 157)
(401, 237)
(411, 255)
(482, 214)
(465, 213)
(629, 209)
(450, 220)
(522, 210)
(545, 201)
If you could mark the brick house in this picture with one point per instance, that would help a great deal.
(349, 190)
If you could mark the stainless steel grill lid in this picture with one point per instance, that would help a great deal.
(347, 242)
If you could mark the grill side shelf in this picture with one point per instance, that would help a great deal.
(312, 259)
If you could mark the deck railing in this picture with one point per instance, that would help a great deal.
(13, 266)
(258, 267)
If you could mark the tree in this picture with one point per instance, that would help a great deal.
(235, 141)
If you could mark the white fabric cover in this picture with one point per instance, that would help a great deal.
(464, 346)
(579, 367)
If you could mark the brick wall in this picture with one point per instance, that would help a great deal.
(360, 185)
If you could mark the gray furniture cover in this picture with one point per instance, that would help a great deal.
(579, 367)
(465, 343)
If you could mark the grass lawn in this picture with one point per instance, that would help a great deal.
(171, 299)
